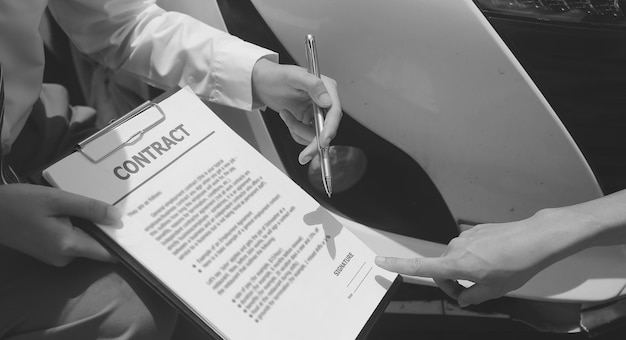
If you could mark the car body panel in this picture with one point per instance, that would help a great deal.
(456, 101)
(444, 93)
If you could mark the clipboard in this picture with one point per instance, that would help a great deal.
(147, 277)
(96, 154)
(97, 147)
(90, 149)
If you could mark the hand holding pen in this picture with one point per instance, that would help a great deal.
(290, 90)
(318, 117)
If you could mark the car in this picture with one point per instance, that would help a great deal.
(467, 112)
(457, 113)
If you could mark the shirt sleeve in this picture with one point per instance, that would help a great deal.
(165, 49)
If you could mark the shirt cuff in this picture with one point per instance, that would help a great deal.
(233, 74)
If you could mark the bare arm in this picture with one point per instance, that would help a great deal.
(502, 257)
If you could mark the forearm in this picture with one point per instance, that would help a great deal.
(605, 219)
(165, 49)
(176, 50)
(599, 222)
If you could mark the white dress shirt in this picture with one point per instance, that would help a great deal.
(165, 49)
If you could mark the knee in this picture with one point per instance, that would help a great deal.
(130, 310)
(139, 313)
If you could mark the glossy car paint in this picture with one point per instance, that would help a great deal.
(435, 79)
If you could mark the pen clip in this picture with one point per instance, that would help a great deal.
(313, 68)
(311, 55)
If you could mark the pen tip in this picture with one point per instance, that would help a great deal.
(328, 186)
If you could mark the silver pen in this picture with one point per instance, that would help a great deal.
(318, 116)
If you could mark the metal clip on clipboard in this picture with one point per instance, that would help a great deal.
(105, 142)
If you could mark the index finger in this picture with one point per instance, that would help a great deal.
(434, 267)
(86, 246)
(315, 87)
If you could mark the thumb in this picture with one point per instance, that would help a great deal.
(426, 267)
(316, 89)
(476, 294)
(69, 204)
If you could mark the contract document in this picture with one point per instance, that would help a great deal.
(220, 232)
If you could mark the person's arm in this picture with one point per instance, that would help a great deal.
(288, 90)
(165, 49)
(502, 257)
(168, 49)
(35, 220)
